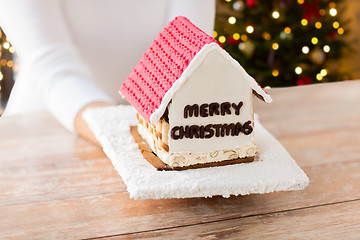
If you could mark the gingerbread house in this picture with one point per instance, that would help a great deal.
(194, 101)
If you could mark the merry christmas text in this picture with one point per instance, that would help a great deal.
(211, 109)
(211, 130)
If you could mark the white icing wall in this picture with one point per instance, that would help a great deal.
(214, 80)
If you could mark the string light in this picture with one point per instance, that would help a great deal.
(283, 35)
(332, 5)
(275, 14)
(215, 34)
(323, 72)
(232, 20)
(305, 49)
(222, 39)
(333, 12)
(227, 0)
(300, 1)
(266, 36)
(236, 36)
(340, 31)
(314, 40)
(319, 77)
(242, 46)
(318, 25)
(304, 22)
(244, 37)
(6, 45)
(298, 70)
(5, 61)
(275, 72)
(322, 12)
(275, 46)
(238, 5)
(336, 25)
(250, 29)
(10, 64)
(16, 67)
(326, 48)
(287, 30)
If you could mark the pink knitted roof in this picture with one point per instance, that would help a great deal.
(162, 64)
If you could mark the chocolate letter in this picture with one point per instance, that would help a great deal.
(190, 111)
(202, 131)
(173, 133)
(209, 130)
(227, 128)
(184, 132)
(194, 131)
(225, 108)
(214, 109)
(217, 128)
(204, 110)
(238, 128)
(247, 128)
(237, 107)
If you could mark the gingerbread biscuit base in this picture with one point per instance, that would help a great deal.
(160, 165)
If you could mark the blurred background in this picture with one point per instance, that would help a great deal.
(279, 42)
(291, 42)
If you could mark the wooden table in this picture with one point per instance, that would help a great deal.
(55, 185)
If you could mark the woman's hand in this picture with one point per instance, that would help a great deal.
(81, 126)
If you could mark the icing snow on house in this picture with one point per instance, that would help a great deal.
(194, 101)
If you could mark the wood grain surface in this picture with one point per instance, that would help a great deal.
(54, 185)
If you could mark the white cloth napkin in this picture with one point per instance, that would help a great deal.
(275, 170)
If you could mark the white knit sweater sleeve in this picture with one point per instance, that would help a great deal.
(38, 31)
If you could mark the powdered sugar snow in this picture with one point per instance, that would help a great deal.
(274, 170)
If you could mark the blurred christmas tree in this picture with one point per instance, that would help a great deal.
(284, 42)
(6, 70)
